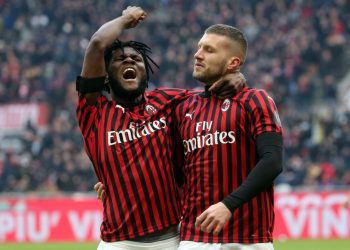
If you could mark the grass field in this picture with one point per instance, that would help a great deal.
(312, 245)
(50, 246)
(279, 245)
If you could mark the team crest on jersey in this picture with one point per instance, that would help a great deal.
(150, 109)
(225, 105)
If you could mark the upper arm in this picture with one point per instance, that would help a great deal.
(88, 116)
(94, 65)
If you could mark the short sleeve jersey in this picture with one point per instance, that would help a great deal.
(132, 151)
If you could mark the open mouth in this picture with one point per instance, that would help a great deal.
(129, 74)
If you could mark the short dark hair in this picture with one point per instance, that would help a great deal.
(141, 48)
(232, 33)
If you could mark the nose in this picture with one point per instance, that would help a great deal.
(198, 55)
(129, 60)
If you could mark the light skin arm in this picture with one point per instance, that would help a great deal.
(94, 65)
(215, 217)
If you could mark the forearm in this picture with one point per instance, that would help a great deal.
(109, 32)
(93, 65)
(269, 166)
(93, 73)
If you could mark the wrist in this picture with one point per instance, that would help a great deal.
(228, 205)
(126, 21)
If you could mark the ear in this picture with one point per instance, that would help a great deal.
(233, 64)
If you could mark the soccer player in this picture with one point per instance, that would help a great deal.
(130, 140)
(232, 153)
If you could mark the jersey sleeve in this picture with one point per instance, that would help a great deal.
(175, 95)
(263, 114)
(88, 116)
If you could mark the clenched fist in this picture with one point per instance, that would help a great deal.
(133, 15)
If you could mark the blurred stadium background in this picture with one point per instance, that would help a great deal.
(298, 51)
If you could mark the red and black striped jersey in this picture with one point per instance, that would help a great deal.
(132, 151)
(219, 142)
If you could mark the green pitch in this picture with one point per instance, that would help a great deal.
(312, 245)
(50, 246)
(279, 245)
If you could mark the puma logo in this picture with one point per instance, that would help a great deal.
(118, 106)
(189, 115)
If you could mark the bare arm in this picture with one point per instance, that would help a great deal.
(228, 85)
(94, 65)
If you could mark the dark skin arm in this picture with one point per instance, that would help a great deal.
(94, 65)
(228, 86)
(100, 190)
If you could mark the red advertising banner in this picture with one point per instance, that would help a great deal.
(298, 215)
(312, 215)
(50, 219)
(13, 117)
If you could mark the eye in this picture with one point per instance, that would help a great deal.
(119, 58)
(210, 50)
(137, 59)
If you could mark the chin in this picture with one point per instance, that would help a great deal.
(196, 76)
(131, 89)
(199, 77)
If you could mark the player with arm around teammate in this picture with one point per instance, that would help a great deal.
(232, 153)
(126, 137)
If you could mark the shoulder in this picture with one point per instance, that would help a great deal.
(101, 100)
(249, 94)
(168, 91)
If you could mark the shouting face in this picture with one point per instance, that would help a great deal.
(127, 73)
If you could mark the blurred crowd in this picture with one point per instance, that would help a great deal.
(297, 52)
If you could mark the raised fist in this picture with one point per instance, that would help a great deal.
(133, 15)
